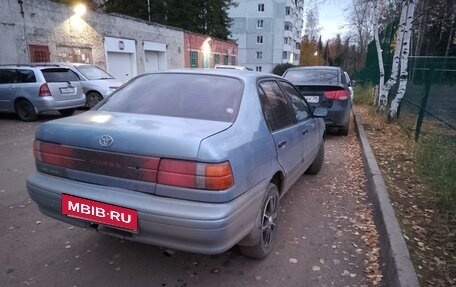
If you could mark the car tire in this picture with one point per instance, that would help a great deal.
(317, 164)
(67, 112)
(25, 110)
(93, 98)
(267, 226)
(343, 131)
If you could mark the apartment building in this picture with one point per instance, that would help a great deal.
(268, 32)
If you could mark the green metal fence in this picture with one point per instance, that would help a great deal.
(429, 104)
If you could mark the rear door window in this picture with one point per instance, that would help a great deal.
(25, 76)
(300, 107)
(207, 97)
(7, 76)
(283, 114)
(54, 75)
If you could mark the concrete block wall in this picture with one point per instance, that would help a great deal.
(44, 22)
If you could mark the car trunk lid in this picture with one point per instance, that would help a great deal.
(120, 149)
(316, 95)
(63, 84)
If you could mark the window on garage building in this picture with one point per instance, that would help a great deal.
(193, 59)
(233, 60)
(39, 53)
(216, 59)
(225, 59)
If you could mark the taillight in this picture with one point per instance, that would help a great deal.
(180, 173)
(197, 175)
(44, 91)
(134, 167)
(337, 95)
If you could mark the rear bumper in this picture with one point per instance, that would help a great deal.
(338, 114)
(50, 104)
(209, 228)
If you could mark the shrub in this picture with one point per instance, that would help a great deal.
(363, 94)
(436, 163)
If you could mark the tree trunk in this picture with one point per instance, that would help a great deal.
(379, 54)
(404, 61)
(383, 100)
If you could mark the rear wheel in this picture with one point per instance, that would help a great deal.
(267, 226)
(25, 110)
(93, 99)
(316, 165)
(66, 112)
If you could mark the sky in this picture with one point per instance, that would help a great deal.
(332, 18)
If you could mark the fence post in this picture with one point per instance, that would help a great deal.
(427, 89)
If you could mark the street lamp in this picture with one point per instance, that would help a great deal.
(80, 9)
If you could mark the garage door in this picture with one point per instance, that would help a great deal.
(120, 65)
(155, 61)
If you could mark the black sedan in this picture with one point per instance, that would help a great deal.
(328, 87)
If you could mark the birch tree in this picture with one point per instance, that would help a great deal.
(383, 99)
(379, 50)
(404, 60)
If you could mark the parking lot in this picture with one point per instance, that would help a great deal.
(326, 233)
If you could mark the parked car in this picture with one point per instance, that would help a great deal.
(29, 90)
(325, 86)
(192, 160)
(96, 82)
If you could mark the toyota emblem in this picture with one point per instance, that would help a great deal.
(106, 141)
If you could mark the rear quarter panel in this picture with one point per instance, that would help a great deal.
(247, 144)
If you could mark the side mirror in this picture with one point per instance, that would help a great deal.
(353, 83)
(320, 112)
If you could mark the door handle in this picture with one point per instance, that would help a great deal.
(305, 132)
(282, 144)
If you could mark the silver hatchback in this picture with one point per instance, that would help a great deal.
(29, 90)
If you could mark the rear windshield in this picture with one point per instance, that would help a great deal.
(314, 77)
(93, 73)
(207, 97)
(59, 75)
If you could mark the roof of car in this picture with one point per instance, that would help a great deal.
(316, 68)
(241, 74)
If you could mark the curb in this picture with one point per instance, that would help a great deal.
(398, 269)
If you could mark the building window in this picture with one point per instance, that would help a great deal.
(233, 60)
(260, 7)
(259, 55)
(260, 24)
(298, 46)
(225, 59)
(216, 59)
(258, 69)
(287, 27)
(286, 40)
(287, 10)
(193, 59)
(285, 55)
(259, 39)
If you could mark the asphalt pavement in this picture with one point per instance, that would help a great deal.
(327, 235)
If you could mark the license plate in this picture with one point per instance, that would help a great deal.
(312, 99)
(100, 212)
(67, 90)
